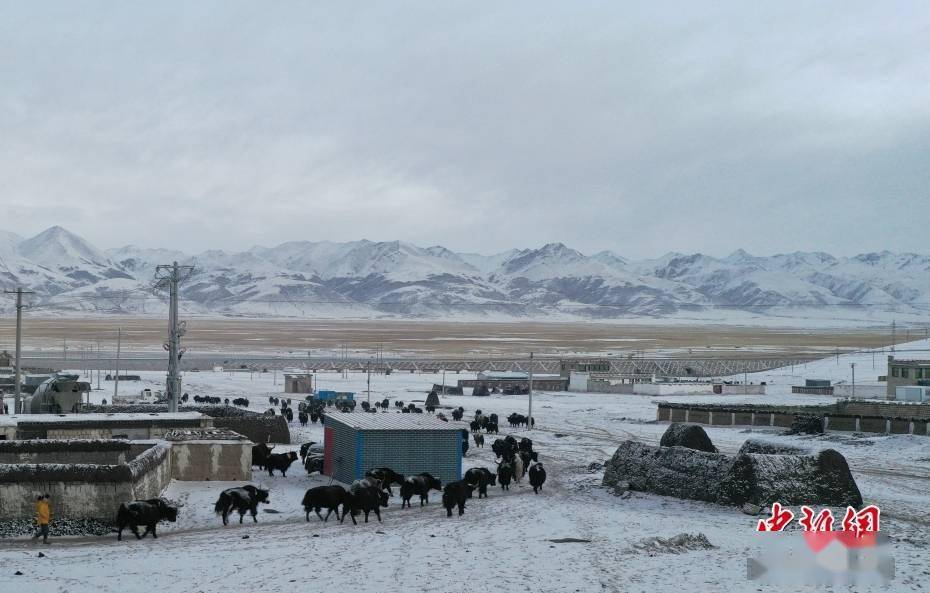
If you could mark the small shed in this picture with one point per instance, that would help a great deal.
(407, 443)
(298, 383)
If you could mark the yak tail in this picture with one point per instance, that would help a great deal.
(220, 503)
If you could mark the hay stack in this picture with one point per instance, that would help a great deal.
(806, 424)
(432, 400)
(823, 479)
(767, 448)
(691, 436)
(671, 471)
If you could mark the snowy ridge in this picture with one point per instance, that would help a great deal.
(397, 279)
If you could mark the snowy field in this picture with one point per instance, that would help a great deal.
(502, 543)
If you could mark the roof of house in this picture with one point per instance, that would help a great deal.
(203, 434)
(16, 419)
(503, 375)
(391, 421)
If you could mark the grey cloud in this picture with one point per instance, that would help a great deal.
(621, 126)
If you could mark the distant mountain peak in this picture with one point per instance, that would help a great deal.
(739, 255)
(396, 278)
(57, 245)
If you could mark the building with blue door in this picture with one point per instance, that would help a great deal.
(407, 443)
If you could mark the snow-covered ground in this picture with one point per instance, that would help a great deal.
(502, 543)
(870, 364)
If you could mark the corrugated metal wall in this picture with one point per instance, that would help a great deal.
(344, 460)
(410, 452)
(349, 453)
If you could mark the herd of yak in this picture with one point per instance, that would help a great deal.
(365, 496)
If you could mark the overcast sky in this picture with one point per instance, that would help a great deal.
(604, 125)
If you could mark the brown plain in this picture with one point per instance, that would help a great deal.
(436, 338)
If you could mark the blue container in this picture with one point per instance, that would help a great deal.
(407, 443)
(326, 395)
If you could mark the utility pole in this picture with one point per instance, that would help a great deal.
(369, 381)
(529, 416)
(172, 276)
(119, 340)
(18, 380)
(853, 366)
(892, 337)
(98, 366)
(443, 381)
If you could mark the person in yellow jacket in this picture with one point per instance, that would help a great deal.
(43, 517)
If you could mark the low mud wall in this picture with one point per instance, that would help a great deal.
(202, 460)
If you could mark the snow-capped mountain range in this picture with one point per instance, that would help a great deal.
(397, 279)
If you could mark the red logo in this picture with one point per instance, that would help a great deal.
(859, 528)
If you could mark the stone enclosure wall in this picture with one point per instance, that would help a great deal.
(252, 425)
(81, 490)
(90, 479)
(881, 418)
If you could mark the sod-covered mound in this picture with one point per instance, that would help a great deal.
(769, 448)
(671, 471)
(823, 479)
(691, 436)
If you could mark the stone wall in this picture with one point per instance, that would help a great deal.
(133, 429)
(605, 386)
(890, 409)
(874, 417)
(861, 391)
(256, 427)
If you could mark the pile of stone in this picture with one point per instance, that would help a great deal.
(677, 544)
(760, 474)
(57, 528)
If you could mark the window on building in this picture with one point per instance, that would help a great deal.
(904, 373)
(895, 372)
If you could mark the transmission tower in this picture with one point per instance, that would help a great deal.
(171, 276)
